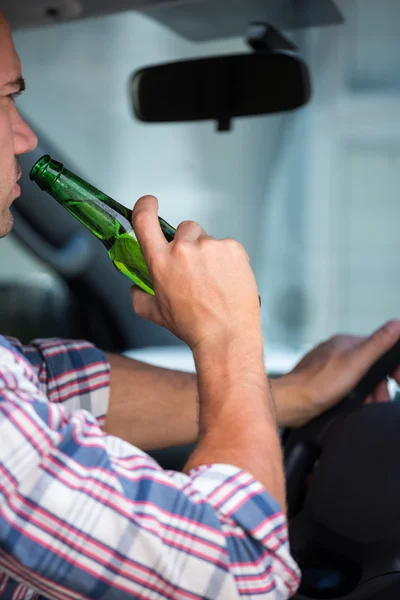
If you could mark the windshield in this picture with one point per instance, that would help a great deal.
(312, 195)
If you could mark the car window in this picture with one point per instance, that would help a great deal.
(18, 264)
(313, 195)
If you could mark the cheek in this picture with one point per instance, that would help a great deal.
(6, 138)
(7, 162)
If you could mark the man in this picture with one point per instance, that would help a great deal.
(85, 514)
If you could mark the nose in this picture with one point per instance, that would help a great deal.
(25, 140)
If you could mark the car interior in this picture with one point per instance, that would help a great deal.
(276, 122)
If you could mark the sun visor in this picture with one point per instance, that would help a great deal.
(207, 20)
(198, 20)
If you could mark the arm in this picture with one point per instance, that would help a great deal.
(83, 514)
(197, 298)
(145, 405)
(156, 408)
(237, 413)
(151, 407)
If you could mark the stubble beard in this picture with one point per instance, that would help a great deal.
(6, 222)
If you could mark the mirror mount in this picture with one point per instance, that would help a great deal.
(262, 37)
(224, 124)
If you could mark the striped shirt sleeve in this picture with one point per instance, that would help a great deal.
(72, 372)
(86, 515)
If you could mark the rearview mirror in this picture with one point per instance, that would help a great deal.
(221, 87)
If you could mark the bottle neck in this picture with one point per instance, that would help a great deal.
(101, 214)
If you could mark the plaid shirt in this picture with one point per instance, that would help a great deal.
(86, 515)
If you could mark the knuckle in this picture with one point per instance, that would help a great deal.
(188, 224)
(236, 248)
(233, 245)
(206, 239)
(182, 248)
(209, 248)
(206, 243)
(189, 229)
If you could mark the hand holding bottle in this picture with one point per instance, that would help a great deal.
(205, 289)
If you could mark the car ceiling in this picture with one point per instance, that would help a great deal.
(197, 20)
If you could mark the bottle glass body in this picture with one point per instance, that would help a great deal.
(107, 219)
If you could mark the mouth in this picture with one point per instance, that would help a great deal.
(17, 189)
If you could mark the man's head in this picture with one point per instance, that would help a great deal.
(15, 135)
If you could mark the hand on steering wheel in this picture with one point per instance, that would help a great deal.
(302, 446)
(357, 454)
(329, 372)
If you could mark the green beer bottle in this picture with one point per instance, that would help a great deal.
(108, 220)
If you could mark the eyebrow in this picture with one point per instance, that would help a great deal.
(19, 83)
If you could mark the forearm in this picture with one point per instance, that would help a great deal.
(155, 408)
(237, 414)
(151, 407)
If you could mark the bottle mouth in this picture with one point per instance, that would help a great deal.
(45, 172)
(39, 167)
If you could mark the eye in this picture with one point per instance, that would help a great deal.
(14, 95)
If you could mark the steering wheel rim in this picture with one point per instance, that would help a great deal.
(310, 436)
(304, 447)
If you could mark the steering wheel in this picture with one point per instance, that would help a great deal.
(343, 494)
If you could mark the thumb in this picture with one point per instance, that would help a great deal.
(145, 305)
(378, 343)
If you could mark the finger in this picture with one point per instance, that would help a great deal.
(396, 375)
(381, 392)
(145, 305)
(146, 226)
(377, 344)
(189, 231)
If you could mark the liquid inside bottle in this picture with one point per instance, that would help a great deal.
(108, 220)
